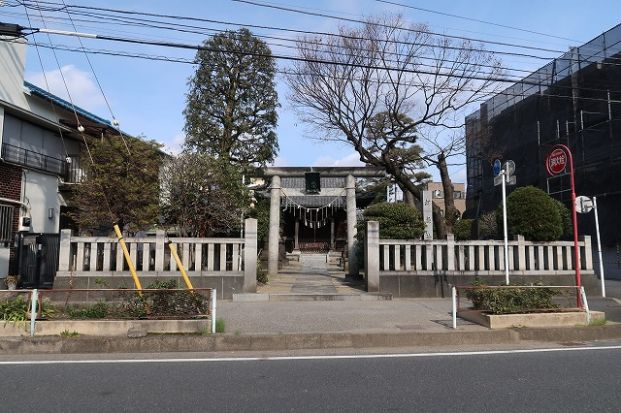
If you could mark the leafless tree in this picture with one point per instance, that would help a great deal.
(418, 81)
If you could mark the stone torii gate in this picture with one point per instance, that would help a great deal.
(336, 183)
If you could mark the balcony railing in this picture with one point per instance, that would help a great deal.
(69, 169)
(33, 160)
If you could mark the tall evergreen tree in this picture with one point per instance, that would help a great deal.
(232, 100)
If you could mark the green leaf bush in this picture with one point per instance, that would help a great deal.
(511, 300)
(463, 229)
(532, 213)
(396, 221)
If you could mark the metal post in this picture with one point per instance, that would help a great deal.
(503, 174)
(213, 310)
(586, 305)
(33, 311)
(574, 218)
(599, 248)
(454, 299)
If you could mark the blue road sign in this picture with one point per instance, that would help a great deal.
(497, 166)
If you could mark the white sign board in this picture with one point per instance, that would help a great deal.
(584, 205)
(428, 215)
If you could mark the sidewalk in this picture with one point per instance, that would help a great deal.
(324, 325)
(399, 315)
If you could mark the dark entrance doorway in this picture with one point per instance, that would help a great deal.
(37, 259)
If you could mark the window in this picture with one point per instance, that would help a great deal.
(457, 195)
(6, 223)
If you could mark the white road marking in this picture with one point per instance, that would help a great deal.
(292, 358)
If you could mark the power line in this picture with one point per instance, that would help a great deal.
(177, 17)
(329, 16)
(115, 122)
(477, 20)
(284, 72)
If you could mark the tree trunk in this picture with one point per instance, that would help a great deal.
(451, 214)
(407, 186)
(408, 197)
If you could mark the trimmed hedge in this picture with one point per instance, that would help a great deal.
(532, 213)
(463, 229)
(565, 219)
(396, 221)
(511, 300)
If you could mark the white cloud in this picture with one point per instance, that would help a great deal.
(174, 146)
(352, 159)
(84, 91)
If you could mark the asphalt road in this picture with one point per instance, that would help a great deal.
(547, 381)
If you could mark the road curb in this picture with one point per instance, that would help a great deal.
(268, 342)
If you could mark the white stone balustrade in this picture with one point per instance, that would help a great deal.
(480, 257)
(102, 256)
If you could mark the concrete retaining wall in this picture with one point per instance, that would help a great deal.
(225, 285)
(431, 284)
(533, 320)
(108, 328)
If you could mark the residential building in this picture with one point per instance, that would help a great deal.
(459, 195)
(40, 154)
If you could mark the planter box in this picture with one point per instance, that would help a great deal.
(106, 327)
(551, 319)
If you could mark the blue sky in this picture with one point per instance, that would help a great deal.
(148, 97)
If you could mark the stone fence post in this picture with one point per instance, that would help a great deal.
(160, 249)
(588, 252)
(521, 252)
(450, 252)
(250, 255)
(64, 254)
(371, 256)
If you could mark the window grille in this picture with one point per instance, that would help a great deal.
(6, 223)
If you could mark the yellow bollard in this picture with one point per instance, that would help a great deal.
(130, 264)
(173, 251)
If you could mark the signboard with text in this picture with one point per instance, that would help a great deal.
(556, 161)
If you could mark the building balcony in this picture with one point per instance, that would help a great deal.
(69, 168)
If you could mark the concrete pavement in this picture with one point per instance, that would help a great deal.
(305, 325)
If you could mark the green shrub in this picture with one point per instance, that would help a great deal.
(14, 310)
(18, 309)
(396, 221)
(511, 300)
(565, 218)
(488, 228)
(220, 326)
(463, 229)
(96, 311)
(261, 273)
(532, 213)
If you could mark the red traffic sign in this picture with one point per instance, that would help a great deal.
(556, 161)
